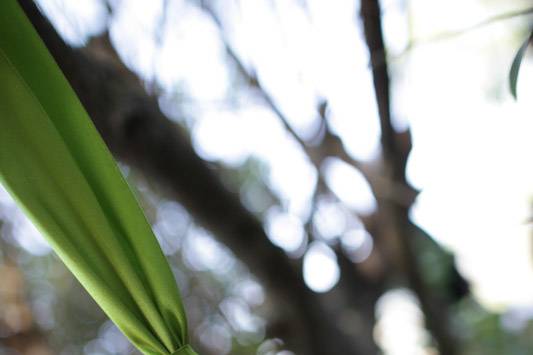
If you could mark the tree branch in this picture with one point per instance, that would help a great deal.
(394, 215)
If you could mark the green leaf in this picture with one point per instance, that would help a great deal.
(517, 61)
(56, 166)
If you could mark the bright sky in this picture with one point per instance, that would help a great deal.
(472, 141)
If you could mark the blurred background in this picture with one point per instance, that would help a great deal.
(325, 177)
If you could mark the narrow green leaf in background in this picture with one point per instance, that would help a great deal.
(56, 166)
(517, 61)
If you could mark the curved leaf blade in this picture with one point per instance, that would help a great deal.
(55, 164)
(515, 66)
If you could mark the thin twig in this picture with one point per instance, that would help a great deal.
(381, 57)
(452, 34)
